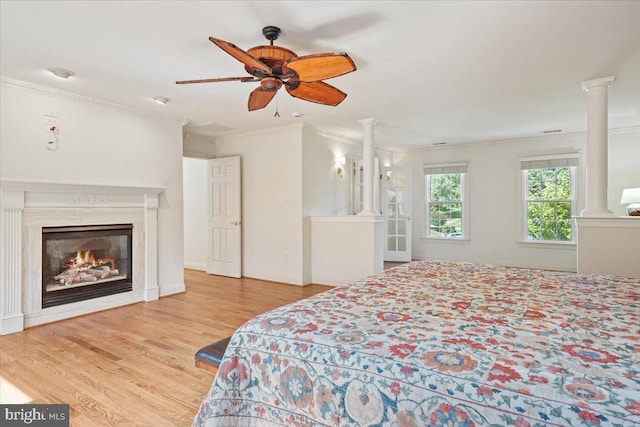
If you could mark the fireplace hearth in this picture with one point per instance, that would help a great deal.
(85, 262)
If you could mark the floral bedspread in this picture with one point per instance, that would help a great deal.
(439, 344)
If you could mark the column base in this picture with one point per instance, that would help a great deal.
(13, 324)
(151, 294)
(596, 212)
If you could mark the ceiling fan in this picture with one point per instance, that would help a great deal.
(275, 66)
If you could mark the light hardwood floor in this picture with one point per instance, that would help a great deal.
(133, 366)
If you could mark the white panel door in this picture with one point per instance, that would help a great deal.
(396, 201)
(224, 234)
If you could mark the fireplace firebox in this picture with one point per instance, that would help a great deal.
(85, 262)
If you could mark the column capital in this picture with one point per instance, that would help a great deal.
(603, 81)
(370, 121)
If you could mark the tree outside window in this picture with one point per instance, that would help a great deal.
(549, 197)
(445, 196)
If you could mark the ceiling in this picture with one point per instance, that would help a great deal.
(429, 72)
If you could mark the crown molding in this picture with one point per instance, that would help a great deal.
(491, 143)
(334, 136)
(71, 96)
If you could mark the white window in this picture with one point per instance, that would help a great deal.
(446, 201)
(549, 198)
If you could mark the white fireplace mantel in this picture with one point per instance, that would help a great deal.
(25, 205)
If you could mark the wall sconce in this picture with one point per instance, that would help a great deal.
(632, 196)
(340, 162)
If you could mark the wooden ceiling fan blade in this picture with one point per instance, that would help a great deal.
(223, 79)
(319, 92)
(242, 56)
(321, 66)
(260, 97)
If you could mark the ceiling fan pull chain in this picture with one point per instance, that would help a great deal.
(276, 114)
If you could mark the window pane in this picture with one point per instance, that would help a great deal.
(402, 228)
(402, 244)
(535, 184)
(564, 183)
(455, 225)
(564, 230)
(434, 232)
(564, 211)
(533, 230)
(392, 227)
(534, 211)
(455, 210)
(391, 243)
(548, 230)
(548, 211)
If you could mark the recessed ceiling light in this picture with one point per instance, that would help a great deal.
(61, 73)
(161, 99)
(297, 115)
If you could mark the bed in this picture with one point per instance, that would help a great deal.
(439, 344)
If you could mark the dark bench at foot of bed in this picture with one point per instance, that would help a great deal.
(209, 357)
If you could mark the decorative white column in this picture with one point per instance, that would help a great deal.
(151, 290)
(597, 146)
(367, 167)
(11, 317)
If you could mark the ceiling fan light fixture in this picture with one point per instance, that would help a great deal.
(61, 73)
(161, 99)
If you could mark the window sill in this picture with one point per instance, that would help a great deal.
(445, 239)
(547, 244)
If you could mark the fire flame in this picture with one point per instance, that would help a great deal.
(86, 259)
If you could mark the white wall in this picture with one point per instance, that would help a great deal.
(100, 143)
(195, 173)
(324, 191)
(272, 239)
(288, 174)
(495, 197)
(198, 146)
(624, 166)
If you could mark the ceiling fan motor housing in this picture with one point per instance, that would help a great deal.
(271, 33)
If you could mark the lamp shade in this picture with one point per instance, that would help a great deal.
(630, 195)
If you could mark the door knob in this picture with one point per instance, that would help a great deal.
(236, 223)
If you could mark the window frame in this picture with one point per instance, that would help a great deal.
(442, 169)
(541, 163)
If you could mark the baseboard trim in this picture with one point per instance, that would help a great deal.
(195, 266)
(291, 280)
(167, 290)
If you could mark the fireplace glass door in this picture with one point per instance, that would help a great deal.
(84, 262)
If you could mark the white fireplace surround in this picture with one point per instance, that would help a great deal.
(27, 206)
